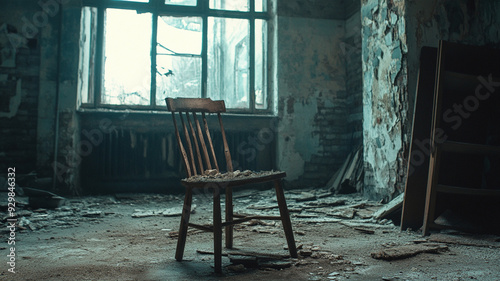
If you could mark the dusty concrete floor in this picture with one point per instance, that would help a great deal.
(99, 239)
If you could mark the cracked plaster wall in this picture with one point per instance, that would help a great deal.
(393, 32)
(385, 106)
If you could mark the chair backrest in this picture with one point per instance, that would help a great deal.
(195, 153)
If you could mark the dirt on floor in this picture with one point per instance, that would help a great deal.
(134, 236)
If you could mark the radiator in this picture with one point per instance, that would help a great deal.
(150, 158)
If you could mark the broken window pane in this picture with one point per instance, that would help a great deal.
(260, 64)
(127, 60)
(233, 5)
(181, 2)
(260, 5)
(178, 61)
(228, 61)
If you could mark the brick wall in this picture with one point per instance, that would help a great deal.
(331, 125)
(19, 110)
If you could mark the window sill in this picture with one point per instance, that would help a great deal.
(156, 120)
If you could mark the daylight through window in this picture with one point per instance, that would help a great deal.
(134, 54)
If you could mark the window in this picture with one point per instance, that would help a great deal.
(134, 54)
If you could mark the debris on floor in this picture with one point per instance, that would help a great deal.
(348, 178)
(406, 251)
(336, 236)
(43, 199)
(167, 212)
(393, 206)
(305, 206)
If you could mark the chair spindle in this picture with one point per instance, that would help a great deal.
(190, 147)
(181, 147)
(195, 139)
(207, 132)
(202, 142)
(229, 162)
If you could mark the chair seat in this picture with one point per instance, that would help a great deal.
(233, 178)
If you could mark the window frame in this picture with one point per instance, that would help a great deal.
(158, 8)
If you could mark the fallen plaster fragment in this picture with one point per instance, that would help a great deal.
(305, 253)
(306, 215)
(253, 222)
(299, 232)
(364, 230)
(333, 274)
(263, 207)
(305, 196)
(236, 268)
(406, 251)
(320, 220)
(366, 224)
(331, 202)
(347, 213)
(175, 234)
(93, 214)
(275, 264)
(169, 212)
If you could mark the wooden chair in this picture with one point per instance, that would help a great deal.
(202, 169)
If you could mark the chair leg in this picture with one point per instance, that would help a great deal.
(217, 224)
(229, 217)
(285, 218)
(186, 212)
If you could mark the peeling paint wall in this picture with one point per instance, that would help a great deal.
(312, 138)
(393, 32)
(385, 100)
